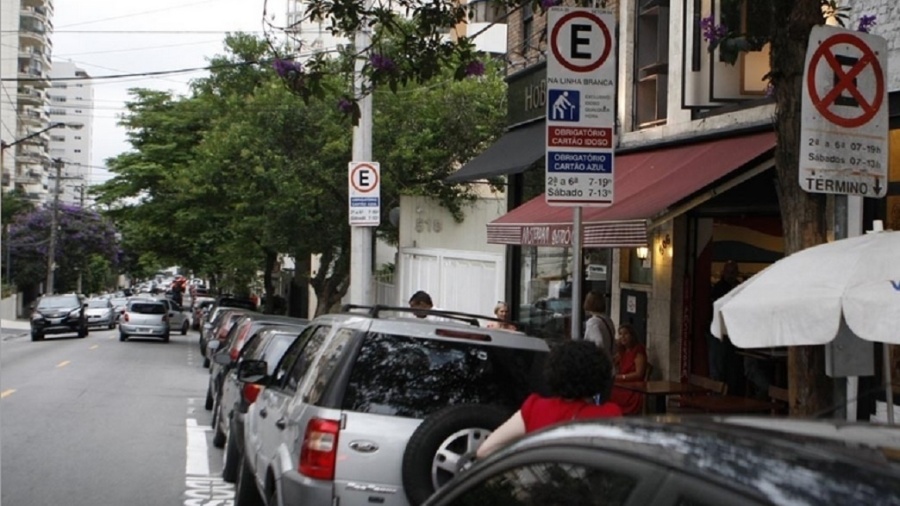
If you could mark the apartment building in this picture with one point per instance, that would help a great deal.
(71, 97)
(694, 175)
(26, 32)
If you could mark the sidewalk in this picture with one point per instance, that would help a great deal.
(15, 325)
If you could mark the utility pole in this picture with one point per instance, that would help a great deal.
(361, 237)
(54, 219)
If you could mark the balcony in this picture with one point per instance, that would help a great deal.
(33, 33)
(29, 95)
(29, 177)
(34, 54)
(37, 13)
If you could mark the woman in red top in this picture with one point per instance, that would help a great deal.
(631, 365)
(575, 372)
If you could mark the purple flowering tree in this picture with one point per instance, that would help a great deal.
(85, 243)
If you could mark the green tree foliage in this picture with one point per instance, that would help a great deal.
(243, 170)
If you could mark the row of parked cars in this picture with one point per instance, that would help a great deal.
(373, 406)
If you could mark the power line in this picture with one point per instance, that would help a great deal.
(138, 13)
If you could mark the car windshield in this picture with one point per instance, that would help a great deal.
(119, 302)
(148, 308)
(98, 303)
(57, 302)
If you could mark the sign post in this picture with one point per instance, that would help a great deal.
(364, 187)
(580, 118)
(844, 125)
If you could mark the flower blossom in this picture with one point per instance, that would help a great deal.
(382, 63)
(284, 67)
(546, 4)
(866, 23)
(475, 68)
(712, 33)
(345, 106)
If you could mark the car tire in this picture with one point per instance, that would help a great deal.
(184, 328)
(208, 405)
(166, 337)
(36, 336)
(123, 336)
(246, 493)
(206, 362)
(112, 325)
(83, 332)
(448, 430)
(218, 435)
(232, 457)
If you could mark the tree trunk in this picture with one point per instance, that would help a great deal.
(803, 215)
(332, 280)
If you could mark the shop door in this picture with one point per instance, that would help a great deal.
(633, 310)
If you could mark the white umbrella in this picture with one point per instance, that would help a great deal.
(800, 299)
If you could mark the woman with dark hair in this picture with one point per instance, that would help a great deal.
(575, 371)
(631, 364)
(598, 328)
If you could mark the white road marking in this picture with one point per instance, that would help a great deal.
(7, 392)
(63, 363)
(197, 450)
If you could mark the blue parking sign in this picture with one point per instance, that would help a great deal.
(564, 105)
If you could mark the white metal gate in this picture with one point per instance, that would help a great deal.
(466, 281)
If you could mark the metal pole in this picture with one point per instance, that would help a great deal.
(54, 217)
(577, 274)
(361, 237)
(888, 382)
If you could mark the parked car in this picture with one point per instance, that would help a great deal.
(366, 408)
(225, 355)
(217, 330)
(697, 461)
(269, 345)
(199, 309)
(119, 304)
(145, 317)
(58, 314)
(101, 313)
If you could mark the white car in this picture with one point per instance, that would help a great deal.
(100, 313)
(178, 318)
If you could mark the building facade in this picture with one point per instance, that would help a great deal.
(26, 33)
(694, 176)
(71, 97)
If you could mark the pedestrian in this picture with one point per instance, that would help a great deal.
(501, 311)
(724, 363)
(575, 372)
(630, 361)
(421, 300)
(599, 328)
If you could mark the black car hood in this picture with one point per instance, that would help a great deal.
(55, 312)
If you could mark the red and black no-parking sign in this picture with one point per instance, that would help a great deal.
(844, 126)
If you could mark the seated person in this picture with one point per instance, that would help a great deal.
(630, 360)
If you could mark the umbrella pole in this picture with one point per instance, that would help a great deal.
(889, 391)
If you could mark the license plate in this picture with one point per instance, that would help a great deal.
(56, 321)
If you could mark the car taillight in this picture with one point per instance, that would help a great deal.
(251, 392)
(319, 451)
(125, 317)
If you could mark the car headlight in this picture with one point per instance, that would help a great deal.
(75, 313)
(36, 317)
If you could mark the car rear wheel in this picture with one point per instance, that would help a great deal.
(184, 327)
(442, 443)
(36, 336)
(232, 457)
(246, 492)
(218, 435)
(208, 405)
(166, 337)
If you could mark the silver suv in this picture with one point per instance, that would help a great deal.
(368, 409)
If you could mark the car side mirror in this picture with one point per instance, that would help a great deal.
(222, 358)
(213, 345)
(252, 371)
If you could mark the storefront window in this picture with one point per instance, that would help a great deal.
(546, 288)
(634, 269)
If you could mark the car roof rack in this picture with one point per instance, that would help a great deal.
(374, 311)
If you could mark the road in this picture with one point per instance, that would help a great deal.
(97, 422)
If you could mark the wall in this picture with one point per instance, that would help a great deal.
(887, 20)
(9, 307)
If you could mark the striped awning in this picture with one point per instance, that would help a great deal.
(647, 186)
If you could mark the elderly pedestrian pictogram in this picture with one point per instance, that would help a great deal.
(847, 103)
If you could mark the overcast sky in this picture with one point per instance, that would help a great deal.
(111, 38)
